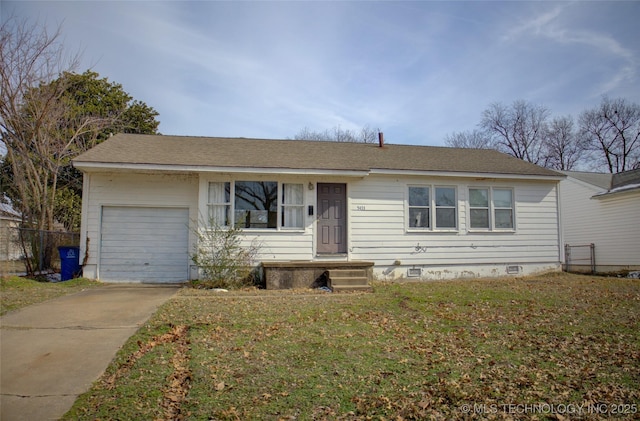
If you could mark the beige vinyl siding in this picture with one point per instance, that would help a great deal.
(378, 227)
(282, 245)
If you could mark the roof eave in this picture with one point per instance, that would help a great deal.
(462, 174)
(108, 166)
(616, 192)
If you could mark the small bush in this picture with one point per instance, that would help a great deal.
(222, 259)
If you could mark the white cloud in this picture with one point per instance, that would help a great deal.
(556, 25)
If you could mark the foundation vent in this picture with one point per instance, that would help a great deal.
(414, 272)
(513, 269)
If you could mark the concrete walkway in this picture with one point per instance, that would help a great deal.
(53, 351)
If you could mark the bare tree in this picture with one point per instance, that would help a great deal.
(338, 134)
(613, 131)
(474, 139)
(517, 130)
(564, 148)
(38, 127)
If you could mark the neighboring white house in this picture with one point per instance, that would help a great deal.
(603, 210)
(413, 211)
(9, 222)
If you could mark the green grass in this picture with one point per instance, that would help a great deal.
(406, 351)
(17, 292)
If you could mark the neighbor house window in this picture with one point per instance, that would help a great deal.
(419, 207)
(219, 203)
(491, 208)
(292, 205)
(256, 204)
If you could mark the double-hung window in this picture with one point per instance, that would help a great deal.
(446, 209)
(292, 205)
(425, 207)
(219, 203)
(503, 208)
(256, 204)
(419, 207)
(491, 208)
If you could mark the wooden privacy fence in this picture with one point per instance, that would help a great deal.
(29, 251)
(580, 257)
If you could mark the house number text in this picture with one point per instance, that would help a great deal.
(360, 207)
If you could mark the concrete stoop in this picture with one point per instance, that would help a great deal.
(348, 280)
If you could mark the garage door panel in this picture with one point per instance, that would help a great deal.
(168, 252)
(139, 240)
(149, 272)
(144, 244)
(146, 223)
(167, 258)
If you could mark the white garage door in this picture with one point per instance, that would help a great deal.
(144, 244)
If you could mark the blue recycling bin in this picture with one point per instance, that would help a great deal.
(69, 262)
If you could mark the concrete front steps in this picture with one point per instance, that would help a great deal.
(348, 280)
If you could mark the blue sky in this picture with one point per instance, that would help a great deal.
(417, 70)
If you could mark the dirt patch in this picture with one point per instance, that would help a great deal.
(176, 335)
(178, 383)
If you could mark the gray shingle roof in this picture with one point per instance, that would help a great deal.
(601, 180)
(186, 151)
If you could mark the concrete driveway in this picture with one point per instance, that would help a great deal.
(53, 351)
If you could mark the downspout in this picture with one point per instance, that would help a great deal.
(84, 234)
(561, 257)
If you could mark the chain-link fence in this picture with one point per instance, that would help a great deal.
(580, 258)
(30, 251)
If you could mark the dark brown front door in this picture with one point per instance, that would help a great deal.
(332, 218)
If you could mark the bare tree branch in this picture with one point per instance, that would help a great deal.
(564, 148)
(613, 132)
(474, 139)
(517, 130)
(338, 134)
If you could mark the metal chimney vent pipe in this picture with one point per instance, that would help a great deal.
(381, 139)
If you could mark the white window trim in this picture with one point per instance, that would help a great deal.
(280, 205)
(432, 209)
(492, 209)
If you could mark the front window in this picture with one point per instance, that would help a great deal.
(503, 208)
(479, 208)
(419, 207)
(446, 207)
(292, 205)
(491, 208)
(433, 203)
(219, 203)
(256, 204)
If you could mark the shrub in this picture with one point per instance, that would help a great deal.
(223, 260)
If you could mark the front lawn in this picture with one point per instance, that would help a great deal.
(17, 292)
(556, 346)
